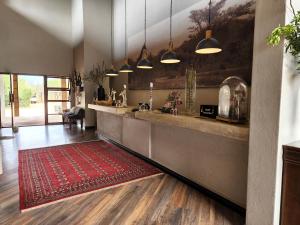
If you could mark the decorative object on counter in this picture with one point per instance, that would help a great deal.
(173, 101)
(123, 94)
(290, 32)
(118, 104)
(233, 100)
(170, 56)
(144, 62)
(113, 95)
(126, 68)
(209, 45)
(210, 111)
(112, 72)
(144, 107)
(97, 75)
(108, 102)
(151, 97)
(190, 90)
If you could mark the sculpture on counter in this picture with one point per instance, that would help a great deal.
(233, 100)
(123, 94)
(113, 95)
(151, 97)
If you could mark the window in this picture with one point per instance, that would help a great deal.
(58, 99)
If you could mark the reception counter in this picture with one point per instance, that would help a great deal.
(211, 153)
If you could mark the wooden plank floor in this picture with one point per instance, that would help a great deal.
(161, 200)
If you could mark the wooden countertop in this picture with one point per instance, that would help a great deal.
(215, 127)
(110, 109)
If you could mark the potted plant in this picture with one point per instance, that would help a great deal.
(289, 32)
(97, 75)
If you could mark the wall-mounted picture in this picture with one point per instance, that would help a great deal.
(232, 23)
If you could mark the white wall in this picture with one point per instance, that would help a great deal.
(36, 36)
(275, 118)
(94, 47)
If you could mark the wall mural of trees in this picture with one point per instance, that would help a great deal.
(234, 28)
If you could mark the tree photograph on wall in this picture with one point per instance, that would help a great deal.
(233, 26)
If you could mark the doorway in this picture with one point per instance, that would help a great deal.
(29, 100)
(58, 101)
(22, 100)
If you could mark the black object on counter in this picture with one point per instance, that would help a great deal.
(101, 93)
(210, 111)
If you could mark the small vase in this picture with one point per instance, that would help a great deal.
(174, 110)
(101, 93)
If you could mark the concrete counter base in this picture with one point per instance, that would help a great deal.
(215, 162)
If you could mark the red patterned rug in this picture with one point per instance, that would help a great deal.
(48, 175)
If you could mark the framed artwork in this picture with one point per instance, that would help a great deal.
(233, 27)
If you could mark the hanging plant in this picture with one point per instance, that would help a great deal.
(289, 32)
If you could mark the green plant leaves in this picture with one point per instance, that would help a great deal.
(290, 32)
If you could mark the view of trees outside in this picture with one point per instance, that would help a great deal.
(31, 100)
(27, 90)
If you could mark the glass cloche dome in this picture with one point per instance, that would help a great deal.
(233, 100)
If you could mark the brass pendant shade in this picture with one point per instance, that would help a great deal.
(208, 45)
(126, 68)
(170, 56)
(145, 62)
(112, 71)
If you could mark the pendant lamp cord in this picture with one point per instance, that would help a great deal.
(145, 22)
(111, 32)
(171, 14)
(126, 29)
(209, 13)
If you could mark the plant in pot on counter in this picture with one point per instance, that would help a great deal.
(97, 75)
(291, 33)
(173, 101)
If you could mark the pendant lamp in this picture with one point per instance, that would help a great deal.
(145, 63)
(112, 71)
(170, 57)
(208, 45)
(126, 68)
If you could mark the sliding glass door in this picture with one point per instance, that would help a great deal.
(6, 118)
(22, 100)
(58, 101)
(29, 104)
